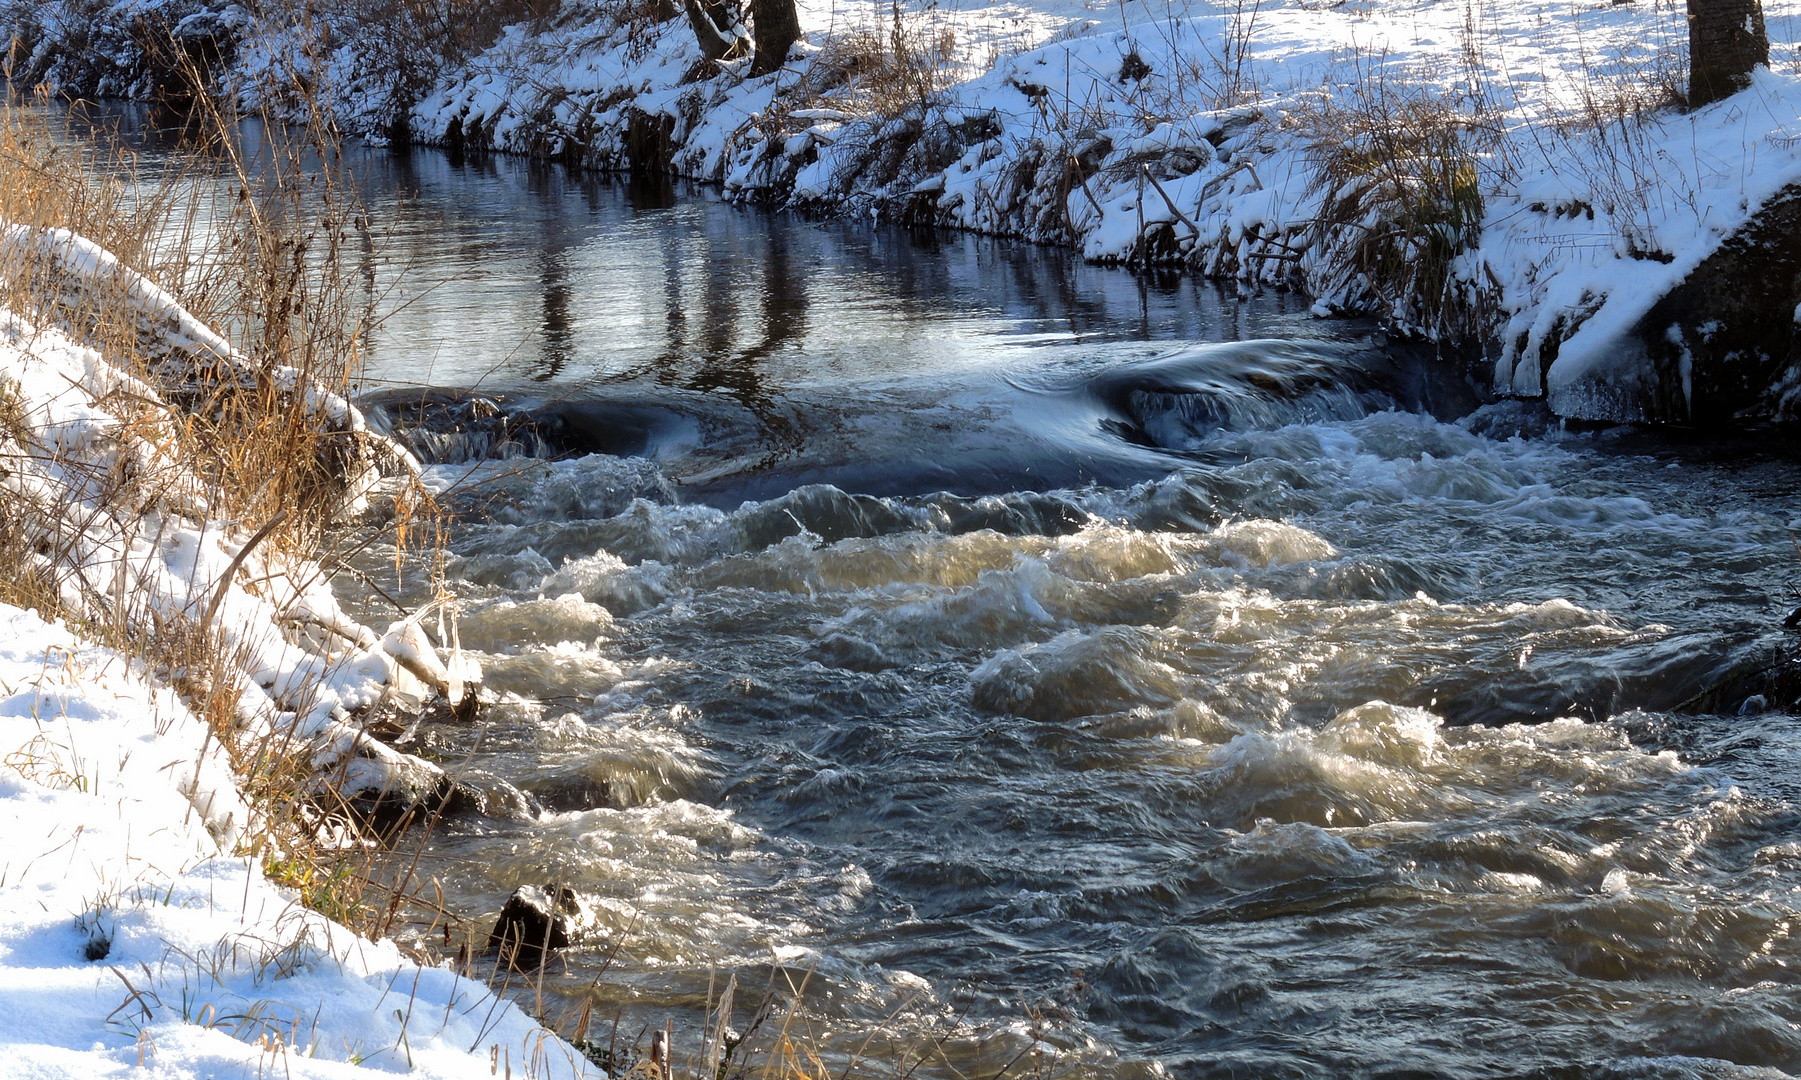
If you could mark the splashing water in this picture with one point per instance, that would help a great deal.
(1348, 747)
(933, 621)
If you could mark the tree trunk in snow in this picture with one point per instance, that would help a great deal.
(715, 26)
(776, 26)
(1726, 40)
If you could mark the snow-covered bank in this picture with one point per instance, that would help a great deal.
(136, 924)
(114, 525)
(1513, 179)
(132, 937)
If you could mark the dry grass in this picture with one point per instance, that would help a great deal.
(763, 1025)
(1404, 179)
(257, 240)
(888, 80)
(898, 71)
(257, 247)
(1402, 165)
(1401, 170)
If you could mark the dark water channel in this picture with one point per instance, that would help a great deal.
(1052, 660)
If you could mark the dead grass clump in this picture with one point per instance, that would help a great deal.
(1616, 134)
(28, 583)
(1400, 175)
(264, 254)
(900, 71)
(283, 273)
(741, 1030)
(884, 84)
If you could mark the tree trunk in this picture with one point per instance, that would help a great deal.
(1726, 40)
(715, 26)
(776, 26)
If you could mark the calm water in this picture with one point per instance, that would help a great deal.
(1056, 661)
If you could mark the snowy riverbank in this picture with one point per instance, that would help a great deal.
(1514, 180)
(131, 936)
(137, 926)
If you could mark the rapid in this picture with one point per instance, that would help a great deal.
(1068, 673)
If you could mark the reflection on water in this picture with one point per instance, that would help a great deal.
(1040, 658)
(509, 277)
(557, 339)
(695, 293)
(574, 293)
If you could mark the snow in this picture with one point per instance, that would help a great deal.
(1595, 197)
(131, 936)
(162, 559)
(134, 931)
(1199, 125)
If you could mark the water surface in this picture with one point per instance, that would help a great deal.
(1076, 672)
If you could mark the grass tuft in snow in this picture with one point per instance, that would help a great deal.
(1400, 176)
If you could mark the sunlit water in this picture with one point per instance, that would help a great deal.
(1043, 657)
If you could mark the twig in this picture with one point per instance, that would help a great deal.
(231, 570)
(1171, 203)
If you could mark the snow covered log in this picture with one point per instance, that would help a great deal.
(82, 289)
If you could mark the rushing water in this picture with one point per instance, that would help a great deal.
(1040, 658)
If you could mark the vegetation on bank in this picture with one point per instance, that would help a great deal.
(1518, 190)
(178, 500)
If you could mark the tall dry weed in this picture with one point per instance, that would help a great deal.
(256, 231)
(1401, 170)
(892, 71)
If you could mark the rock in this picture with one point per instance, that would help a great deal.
(1760, 682)
(387, 791)
(1719, 347)
(457, 676)
(474, 791)
(379, 787)
(532, 923)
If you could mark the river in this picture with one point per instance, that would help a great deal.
(1067, 672)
